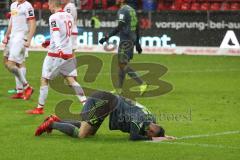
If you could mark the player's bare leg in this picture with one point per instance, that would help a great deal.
(5, 60)
(13, 67)
(41, 99)
(77, 88)
(19, 85)
(18, 91)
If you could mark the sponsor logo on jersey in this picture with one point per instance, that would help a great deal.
(30, 13)
(14, 12)
(53, 24)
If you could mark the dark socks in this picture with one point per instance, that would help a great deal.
(133, 75)
(66, 128)
(121, 77)
(75, 123)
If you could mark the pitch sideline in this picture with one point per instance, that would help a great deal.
(201, 144)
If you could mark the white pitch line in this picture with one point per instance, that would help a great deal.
(201, 145)
(206, 70)
(209, 135)
(179, 71)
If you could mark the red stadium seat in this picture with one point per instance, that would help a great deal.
(186, 1)
(113, 8)
(37, 5)
(178, 1)
(45, 6)
(225, 6)
(87, 5)
(205, 6)
(234, 6)
(215, 6)
(174, 7)
(185, 6)
(195, 6)
(100, 4)
(161, 6)
(105, 4)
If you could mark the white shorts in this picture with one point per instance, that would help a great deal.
(6, 51)
(54, 66)
(16, 48)
(74, 41)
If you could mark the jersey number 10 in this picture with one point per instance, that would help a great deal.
(68, 25)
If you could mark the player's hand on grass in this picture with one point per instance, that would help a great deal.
(104, 39)
(166, 138)
(138, 48)
(45, 44)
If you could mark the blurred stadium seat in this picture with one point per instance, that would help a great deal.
(195, 6)
(225, 6)
(205, 6)
(185, 6)
(158, 5)
(161, 6)
(45, 6)
(37, 5)
(215, 6)
(234, 6)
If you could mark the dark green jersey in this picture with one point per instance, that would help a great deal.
(127, 15)
(132, 118)
(125, 115)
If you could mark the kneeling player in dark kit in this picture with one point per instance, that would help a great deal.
(124, 115)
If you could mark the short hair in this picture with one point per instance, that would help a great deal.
(160, 132)
(58, 3)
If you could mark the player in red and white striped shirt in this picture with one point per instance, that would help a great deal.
(60, 59)
(20, 31)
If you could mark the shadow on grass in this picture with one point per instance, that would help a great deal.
(99, 138)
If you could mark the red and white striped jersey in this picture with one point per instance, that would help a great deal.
(20, 14)
(71, 8)
(60, 32)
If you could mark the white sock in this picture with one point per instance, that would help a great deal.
(19, 74)
(19, 85)
(79, 92)
(43, 96)
(24, 71)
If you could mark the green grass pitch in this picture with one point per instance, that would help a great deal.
(208, 86)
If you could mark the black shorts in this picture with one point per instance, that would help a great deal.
(125, 51)
(98, 107)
